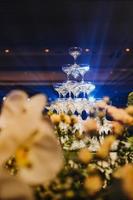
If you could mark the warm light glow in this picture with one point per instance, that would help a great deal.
(127, 50)
(46, 50)
(7, 50)
(4, 98)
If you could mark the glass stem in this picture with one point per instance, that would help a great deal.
(69, 95)
(82, 78)
(59, 95)
(68, 77)
(84, 94)
(75, 58)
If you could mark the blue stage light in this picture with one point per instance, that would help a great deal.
(92, 99)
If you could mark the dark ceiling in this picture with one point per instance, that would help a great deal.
(66, 23)
(29, 26)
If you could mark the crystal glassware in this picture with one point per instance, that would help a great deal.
(90, 88)
(71, 70)
(74, 70)
(76, 91)
(67, 69)
(75, 52)
(58, 88)
(64, 92)
(83, 68)
(69, 85)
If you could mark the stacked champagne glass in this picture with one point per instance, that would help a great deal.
(74, 95)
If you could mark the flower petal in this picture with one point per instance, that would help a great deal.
(36, 104)
(7, 149)
(12, 188)
(21, 123)
(46, 161)
(14, 102)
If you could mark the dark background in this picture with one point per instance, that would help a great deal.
(28, 28)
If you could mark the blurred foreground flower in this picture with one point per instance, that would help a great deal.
(125, 173)
(55, 118)
(85, 155)
(129, 110)
(93, 184)
(90, 126)
(120, 115)
(29, 136)
(65, 118)
(101, 104)
(105, 148)
(118, 128)
(106, 99)
(11, 188)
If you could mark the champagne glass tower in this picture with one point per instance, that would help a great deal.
(73, 87)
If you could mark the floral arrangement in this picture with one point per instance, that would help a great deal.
(93, 176)
(92, 173)
(34, 166)
(70, 129)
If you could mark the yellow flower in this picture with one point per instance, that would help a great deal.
(65, 118)
(49, 113)
(85, 155)
(101, 114)
(118, 128)
(22, 157)
(55, 118)
(74, 119)
(120, 115)
(125, 173)
(101, 104)
(79, 135)
(69, 194)
(93, 184)
(92, 168)
(129, 110)
(104, 150)
(90, 126)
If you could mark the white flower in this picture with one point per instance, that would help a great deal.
(103, 164)
(127, 144)
(63, 126)
(113, 156)
(26, 134)
(105, 128)
(79, 125)
(94, 144)
(115, 145)
(12, 188)
(78, 145)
